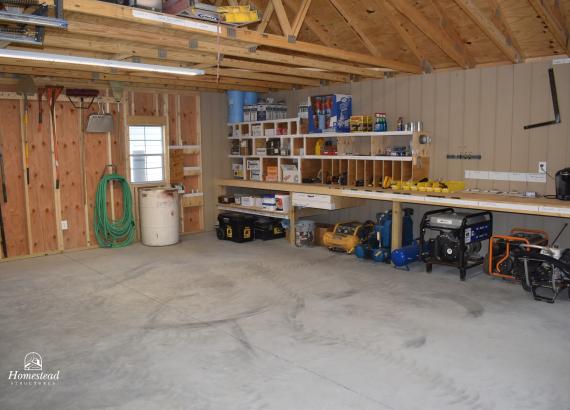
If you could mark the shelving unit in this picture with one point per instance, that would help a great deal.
(363, 158)
(254, 211)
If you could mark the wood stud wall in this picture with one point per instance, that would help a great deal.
(30, 214)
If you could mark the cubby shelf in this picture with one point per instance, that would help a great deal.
(362, 158)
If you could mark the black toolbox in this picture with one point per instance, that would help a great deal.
(268, 228)
(235, 227)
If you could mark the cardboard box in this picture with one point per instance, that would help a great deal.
(272, 174)
(290, 173)
(253, 165)
(237, 170)
(320, 230)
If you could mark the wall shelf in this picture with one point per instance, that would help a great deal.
(254, 211)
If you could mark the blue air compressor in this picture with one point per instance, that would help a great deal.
(379, 243)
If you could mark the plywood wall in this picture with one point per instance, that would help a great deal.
(34, 209)
(480, 111)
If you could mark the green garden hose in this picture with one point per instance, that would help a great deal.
(113, 233)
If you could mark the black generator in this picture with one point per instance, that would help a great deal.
(235, 227)
(268, 228)
(454, 238)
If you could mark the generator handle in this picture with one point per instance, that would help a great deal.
(435, 211)
(484, 213)
(528, 230)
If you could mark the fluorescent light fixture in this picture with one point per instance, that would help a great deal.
(97, 62)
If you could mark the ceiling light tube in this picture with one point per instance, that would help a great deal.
(97, 62)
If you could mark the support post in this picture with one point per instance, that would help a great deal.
(396, 225)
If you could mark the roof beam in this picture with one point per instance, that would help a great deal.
(397, 21)
(355, 25)
(499, 20)
(282, 17)
(435, 32)
(159, 38)
(300, 18)
(487, 26)
(549, 16)
(267, 14)
(148, 19)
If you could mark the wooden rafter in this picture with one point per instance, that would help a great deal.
(489, 28)
(551, 18)
(267, 14)
(282, 17)
(356, 25)
(397, 21)
(125, 14)
(434, 32)
(159, 38)
(499, 20)
(300, 18)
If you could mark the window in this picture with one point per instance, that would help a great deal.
(146, 149)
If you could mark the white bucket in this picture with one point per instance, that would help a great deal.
(160, 216)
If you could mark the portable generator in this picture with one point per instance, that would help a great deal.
(378, 245)
(235, 227)
(457, 239)
(546, 271)
(347, 235)
(502, 261)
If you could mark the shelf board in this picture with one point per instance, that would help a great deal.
(354, 157)
(253, 211)
(192, 171)
(334, 135)
(282, 120)
(188, 149)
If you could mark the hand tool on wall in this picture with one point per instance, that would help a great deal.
(555, 106)
(26, 87)
(41, 92)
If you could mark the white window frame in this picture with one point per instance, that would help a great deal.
(139, 121)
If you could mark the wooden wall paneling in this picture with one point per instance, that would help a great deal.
(14, 210)
(521, 117)
(378, 104)
(415, 99)
(145, 104)
(188, 119)
(456, 120)
(390, 101)
(70, 171)
(504, 123)
(487, 126)
(356, 92)
(41, 187)
(95, 161)
(428, 110)
(540, 110)
(441, 130)
(558, 146)
(472, 120)
(402, 101)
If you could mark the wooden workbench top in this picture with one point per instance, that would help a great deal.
(484, 201)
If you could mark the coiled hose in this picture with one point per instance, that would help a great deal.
(113, 233)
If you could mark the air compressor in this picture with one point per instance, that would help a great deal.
(379, 243)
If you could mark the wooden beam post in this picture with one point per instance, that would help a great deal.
(267, 14)
(300, 18)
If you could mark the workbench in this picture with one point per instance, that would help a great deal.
(479, 201)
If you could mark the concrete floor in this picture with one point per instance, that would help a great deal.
(215, 325)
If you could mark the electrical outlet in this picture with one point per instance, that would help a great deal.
(542, 167)
(64, 226)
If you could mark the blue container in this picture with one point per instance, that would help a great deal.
(235, 106)
(250, 98)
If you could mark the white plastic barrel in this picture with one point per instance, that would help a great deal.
(160, 216)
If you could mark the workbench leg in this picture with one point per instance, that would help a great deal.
(396, 225)
(292, 222)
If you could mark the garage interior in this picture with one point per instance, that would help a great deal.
(284, 204)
